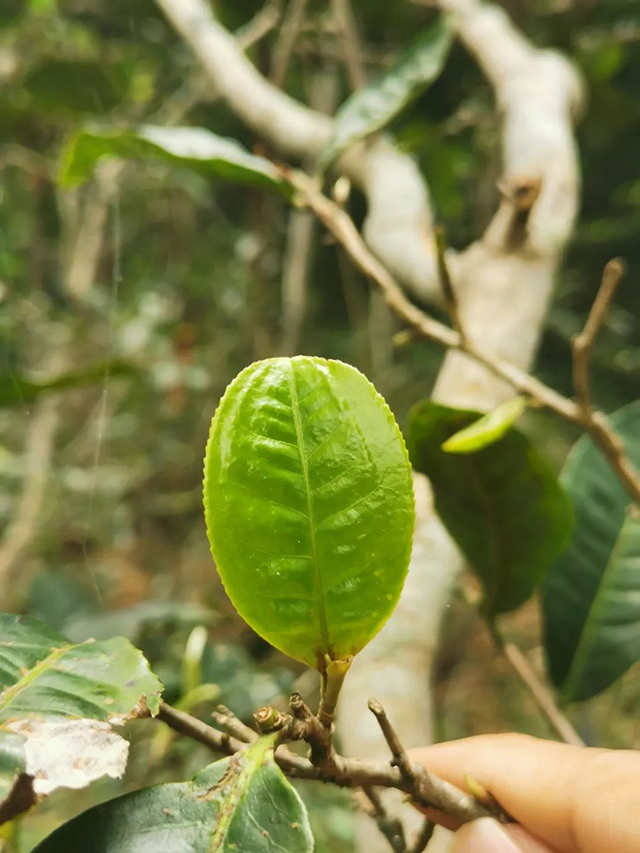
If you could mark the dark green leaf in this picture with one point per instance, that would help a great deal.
(194, 147)
(487, 429)
(591, 598)
(309, 505)
(68, 88)
(57, 704)
(16, 389)
(241, 804)
(372, 108)
(503, 505)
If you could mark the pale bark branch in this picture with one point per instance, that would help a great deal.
(348, 35)
(340, 224)
(399, 216)
(36, 463)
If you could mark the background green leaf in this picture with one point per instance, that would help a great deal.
(372, 108)
(52, 689)
(487, 429)
(16, 389)
(243, 803)
(194, 147)
(591, 598)
(503, 504)
(309, 505)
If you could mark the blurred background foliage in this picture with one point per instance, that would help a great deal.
(170, 283)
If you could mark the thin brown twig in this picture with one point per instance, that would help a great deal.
(424, 836)
(399, 758)
(342, 227)
(583, 343)
(391, 827)
(227, 720)
(446, 282)
(600, 429)
(425, 789)
(538, 690)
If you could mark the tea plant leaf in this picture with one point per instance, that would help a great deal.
(487, 429)
(309, 505)
(502, 504)
(242, 803)
(195, 147)
(58, 703)
(372, 108)
(591, 597)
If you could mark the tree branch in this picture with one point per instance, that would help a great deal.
(341, 226)
(583, 343)
(37, 459)
(538, 690)
(348, 35)
(600, 429)
(425, 789)
(390, 827)
(289, 31)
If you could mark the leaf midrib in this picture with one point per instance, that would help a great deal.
(29, 677)
(239, 784)
(576, 668)
(318, 587)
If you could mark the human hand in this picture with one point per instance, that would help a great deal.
(566, 799)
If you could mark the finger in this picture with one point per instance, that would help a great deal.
(487, 836)
(576, 800)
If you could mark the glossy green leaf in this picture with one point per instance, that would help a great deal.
(58, 702)
(241, 804)
(309, 505)
(502, 504)
(591, 598)
(487, 429)
(17, 390)
(372, 108)
(195, 147)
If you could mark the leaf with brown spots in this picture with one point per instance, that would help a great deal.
(59, 702)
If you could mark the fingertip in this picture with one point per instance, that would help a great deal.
(488, 836)
(483, 836)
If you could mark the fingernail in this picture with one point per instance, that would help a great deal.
(483, 836)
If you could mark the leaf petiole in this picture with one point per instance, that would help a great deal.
(332, 679)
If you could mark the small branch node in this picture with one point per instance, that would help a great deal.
(269, 719)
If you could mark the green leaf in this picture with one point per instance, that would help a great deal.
(591, 598)
(502, 504)
(372, 108)
(242, 803)
(309, 505)
(58, 702)
(63, 89)
(487, 429)
(17, 390)
(195, 147)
